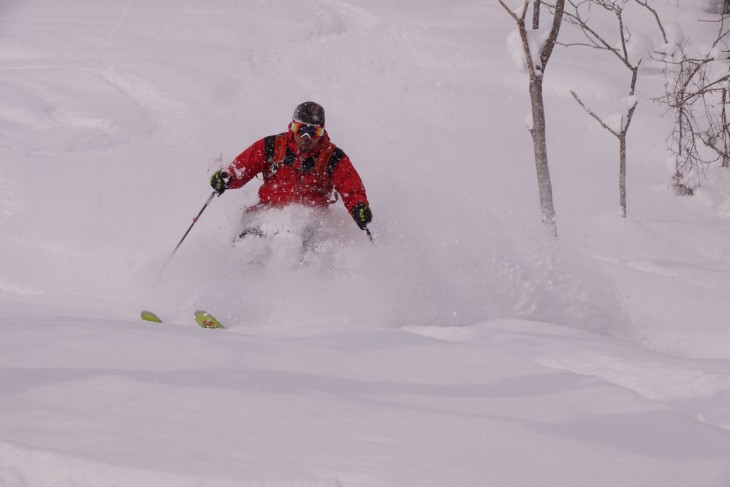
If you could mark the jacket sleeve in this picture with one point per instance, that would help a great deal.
(347, 182)
(247, 165)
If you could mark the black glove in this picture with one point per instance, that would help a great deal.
(220, 180)
(362, 215)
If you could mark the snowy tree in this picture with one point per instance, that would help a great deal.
(578, 14)
(536, 52)
(697, 94)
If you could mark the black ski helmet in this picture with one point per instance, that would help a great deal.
(309, 112)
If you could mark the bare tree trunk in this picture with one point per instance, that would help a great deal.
(622, 172)
(536, 70)
(539, 142)
(725, 132)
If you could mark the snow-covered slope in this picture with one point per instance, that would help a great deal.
(464, 347)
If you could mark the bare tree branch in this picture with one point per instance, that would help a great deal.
(536, 4)
(593, 114)
(574, 17)
(514, 15)
(645, 4)
(553, 37)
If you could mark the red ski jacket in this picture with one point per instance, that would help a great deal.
(291, 177)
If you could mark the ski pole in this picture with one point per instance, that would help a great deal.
(210, 198)
(370, 235)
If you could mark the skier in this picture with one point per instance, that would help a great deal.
(300, 166)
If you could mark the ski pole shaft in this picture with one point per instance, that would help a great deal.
(210, 198)
(370, 235)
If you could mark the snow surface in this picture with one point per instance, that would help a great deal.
(464, 348)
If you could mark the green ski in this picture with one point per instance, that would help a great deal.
(150, 316)
(206, 320)
(202, 318)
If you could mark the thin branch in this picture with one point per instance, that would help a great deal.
(593, 114)
(645, 4)
(514, 15)
(594, 36)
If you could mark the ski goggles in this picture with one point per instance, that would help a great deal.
(302, 129)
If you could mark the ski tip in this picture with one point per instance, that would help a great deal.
(150, 316)
(206, 320)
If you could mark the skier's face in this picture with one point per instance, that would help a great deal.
(306, 135)
(306, 143)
